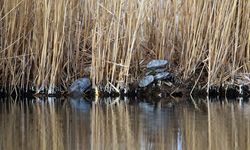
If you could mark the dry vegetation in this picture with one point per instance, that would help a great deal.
(49, 43)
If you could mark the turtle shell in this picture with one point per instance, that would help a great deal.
(145, 81)
(157, 64)
(162, 76)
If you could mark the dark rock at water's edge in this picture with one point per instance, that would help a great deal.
(79, 86)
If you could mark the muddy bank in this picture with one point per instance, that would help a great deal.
(154, 91)
(172, 89)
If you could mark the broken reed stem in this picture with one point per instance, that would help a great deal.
(48, 44)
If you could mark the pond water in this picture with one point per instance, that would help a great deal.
(76, 124)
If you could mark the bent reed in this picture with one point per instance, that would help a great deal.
(46, 44)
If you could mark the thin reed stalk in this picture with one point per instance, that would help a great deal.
(46, 44)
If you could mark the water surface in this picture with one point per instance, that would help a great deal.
(77, 124)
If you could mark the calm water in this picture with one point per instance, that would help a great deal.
(76, 125)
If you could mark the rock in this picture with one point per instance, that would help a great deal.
(153, 64)
(79, 86)
(146, 81)
(162, 76)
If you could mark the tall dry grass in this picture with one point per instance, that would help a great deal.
(47, 44)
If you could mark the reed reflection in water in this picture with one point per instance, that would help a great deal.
(77, 124)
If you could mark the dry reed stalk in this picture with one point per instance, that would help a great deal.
(48, 44)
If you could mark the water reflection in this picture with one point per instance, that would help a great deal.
(78, 124)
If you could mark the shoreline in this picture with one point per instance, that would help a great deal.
(153, 92)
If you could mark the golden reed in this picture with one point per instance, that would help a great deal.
(49, 43)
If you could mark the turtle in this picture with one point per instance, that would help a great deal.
(162, 76)
(145, 81)
(79, 86)
(156, 71)
(153, 64)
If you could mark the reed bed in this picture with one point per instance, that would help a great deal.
(46, 44)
